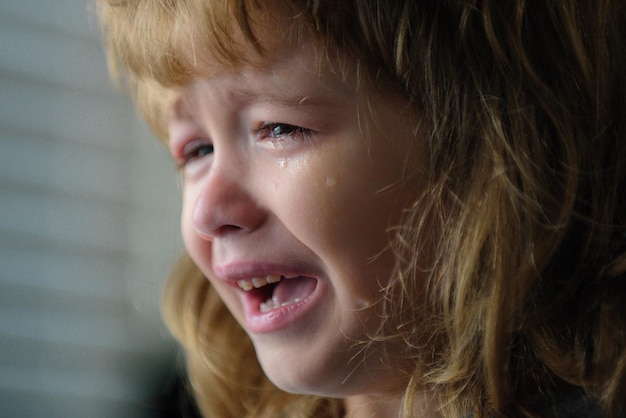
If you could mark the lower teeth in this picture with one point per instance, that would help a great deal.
(274, 303)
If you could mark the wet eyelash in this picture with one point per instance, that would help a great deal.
(194, 151)
(276, 130)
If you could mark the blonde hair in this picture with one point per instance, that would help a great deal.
(525, 103)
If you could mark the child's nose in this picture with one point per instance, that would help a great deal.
(225, 207)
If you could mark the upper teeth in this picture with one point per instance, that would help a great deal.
(256, 282)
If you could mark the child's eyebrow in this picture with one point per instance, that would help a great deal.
(284, 100)
(187, 99)
(185, 105)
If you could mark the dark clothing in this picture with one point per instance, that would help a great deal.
(568, 406)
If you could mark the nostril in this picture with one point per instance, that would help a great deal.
(219, 232)
(226, 229)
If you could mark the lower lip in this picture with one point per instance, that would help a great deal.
(282, 318)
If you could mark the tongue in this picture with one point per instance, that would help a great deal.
(289, 290)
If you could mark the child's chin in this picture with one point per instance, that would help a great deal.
(298, 381)
(320, 382)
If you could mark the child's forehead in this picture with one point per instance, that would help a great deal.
(292, 79)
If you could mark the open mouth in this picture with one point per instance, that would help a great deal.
(275, 291)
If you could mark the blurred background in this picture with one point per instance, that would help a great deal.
(88, 226)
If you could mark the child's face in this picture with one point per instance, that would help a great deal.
(282, 184)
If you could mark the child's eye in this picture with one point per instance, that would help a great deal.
(279, 131)
(195, 150)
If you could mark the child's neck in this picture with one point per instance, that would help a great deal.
(362, 406)
(382, 406)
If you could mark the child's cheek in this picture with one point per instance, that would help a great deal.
(333, 204)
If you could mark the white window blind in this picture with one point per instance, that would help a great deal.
(88, 225)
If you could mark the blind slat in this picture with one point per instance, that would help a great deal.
(88, 226)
